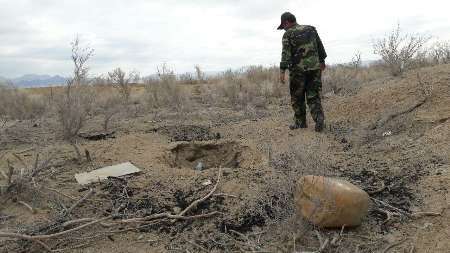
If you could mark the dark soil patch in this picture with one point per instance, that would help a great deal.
(397, 187)
(187, 133)
(96, 136)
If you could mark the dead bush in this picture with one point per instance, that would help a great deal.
(236, 91)
(100, 80)
(107, 106)
(165, 95)
(421, 60)
(249, 88)
(231, 86)
(200, 75)
(440, 52)
(16, 104)
(21, 180)
(339, 79)
(346, 79)
(164, 92)
(122, 82)
(398, 50)
(3, 108)
(75, 103)
(266, 80)
(259, 74)
(73, 109)
(187, 78)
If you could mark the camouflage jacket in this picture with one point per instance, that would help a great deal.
(302, 49)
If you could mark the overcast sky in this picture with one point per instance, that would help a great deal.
(35, 35)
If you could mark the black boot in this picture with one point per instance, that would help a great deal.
(298, 125)
(319, 126)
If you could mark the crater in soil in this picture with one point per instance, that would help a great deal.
(206, 155)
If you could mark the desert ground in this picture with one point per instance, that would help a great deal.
(388, 135)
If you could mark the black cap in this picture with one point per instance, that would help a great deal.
(287, 16)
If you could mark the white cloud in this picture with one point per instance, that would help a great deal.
(35, 35)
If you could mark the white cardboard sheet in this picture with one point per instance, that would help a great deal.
(103, 173)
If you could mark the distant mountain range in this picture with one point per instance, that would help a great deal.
(31, 80)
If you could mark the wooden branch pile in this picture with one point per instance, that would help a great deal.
(112, 223)
(18, 179)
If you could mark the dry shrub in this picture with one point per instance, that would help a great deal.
(267, 80)
(439, 52)
(258, 74)
(16, 104)
(74, 105)
(230, 88)
(166, 95)
(99, 80)
(199, 74)
(164, 92)
(73, 108)
(346, 79)
(209, 95)
(310, 158)
(339, 79)
(193, 78)
(399, 50)
(19, 181)
(187, 78)
(107, 105)
(245, 95)
(421, 60)
(122, 81)
(251, 87)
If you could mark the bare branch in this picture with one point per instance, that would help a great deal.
(198, 201)
(398, 50)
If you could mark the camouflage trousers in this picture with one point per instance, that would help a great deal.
(306, 85)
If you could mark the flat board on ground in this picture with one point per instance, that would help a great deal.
(103, 173)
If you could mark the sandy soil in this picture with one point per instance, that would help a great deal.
(395, 133)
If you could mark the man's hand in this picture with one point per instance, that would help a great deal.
(323, 66)
(282, 77)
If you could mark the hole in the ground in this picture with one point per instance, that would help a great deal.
(207, 155)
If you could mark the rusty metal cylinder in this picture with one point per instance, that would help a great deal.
(330, 202)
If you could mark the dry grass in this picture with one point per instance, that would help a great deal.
(165, 94)
(18, 105)
(346, 79)
(107, 106)
(251, 87)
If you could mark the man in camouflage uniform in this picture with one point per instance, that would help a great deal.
(304, 55)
